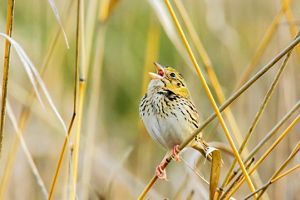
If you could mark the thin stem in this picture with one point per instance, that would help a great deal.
(147, 188)
(80, 52)
(285, 173)
(261, 48)
(269, 135)
(276, 176)
(66, 139)
(208, 67)
(8, 31)
(285, 163)
(238, 178)
(77, 139)
(92, 112)
(259, 112)
(61, 157)
(279, 139)
(209, 95)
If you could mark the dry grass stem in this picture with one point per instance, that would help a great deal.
(260, 111)
(209, 95)
(66, 139)
(265, 155)
(8, 31)
(276, 176)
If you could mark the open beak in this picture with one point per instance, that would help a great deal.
(160, 72)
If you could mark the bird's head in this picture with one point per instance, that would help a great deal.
(169, 79)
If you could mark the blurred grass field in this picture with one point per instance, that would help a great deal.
(117, 43)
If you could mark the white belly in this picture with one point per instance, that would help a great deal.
(168, 131)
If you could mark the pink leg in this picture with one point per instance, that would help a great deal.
(175, 152)
(160, 171)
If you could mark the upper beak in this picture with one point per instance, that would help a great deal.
(158, 68)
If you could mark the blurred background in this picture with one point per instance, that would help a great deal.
(118, 42)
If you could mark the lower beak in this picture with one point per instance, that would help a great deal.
(155, 76)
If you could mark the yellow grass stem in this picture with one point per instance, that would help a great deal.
(61, 157)
(66, 139)
(152, 49)
(279, 139)
(7, 45)
(261, 48)
(76, 146)
(106, 8)
(285, 163)
(151, 52)
(92, 113)
(276, 176)
(81, 95)
(285, 173)
(150, 56)
(259, 113)
(270, 134)
(291, 20)
(148, 187)
(267, 38)
(211, 74)
(209, 68)
(209, 95)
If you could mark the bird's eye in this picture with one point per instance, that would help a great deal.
(173, 75)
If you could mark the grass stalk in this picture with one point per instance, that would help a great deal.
(285, 163)
(284, 174)
(151, 53)
(261, 48)
(80, 51)
(238, 177)
(290, 19)
(270, 134)
(209, 68)
(7, 45)
(259, 113)
(276, 176)
(66, 139)
(92, 116)
(211, 74)
(230, 100)
(210, 96)
(61, 157)
(265, 155)
(81, 93)
(27, 153)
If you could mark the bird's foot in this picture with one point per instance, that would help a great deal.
(175, 152)
(160, 171)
